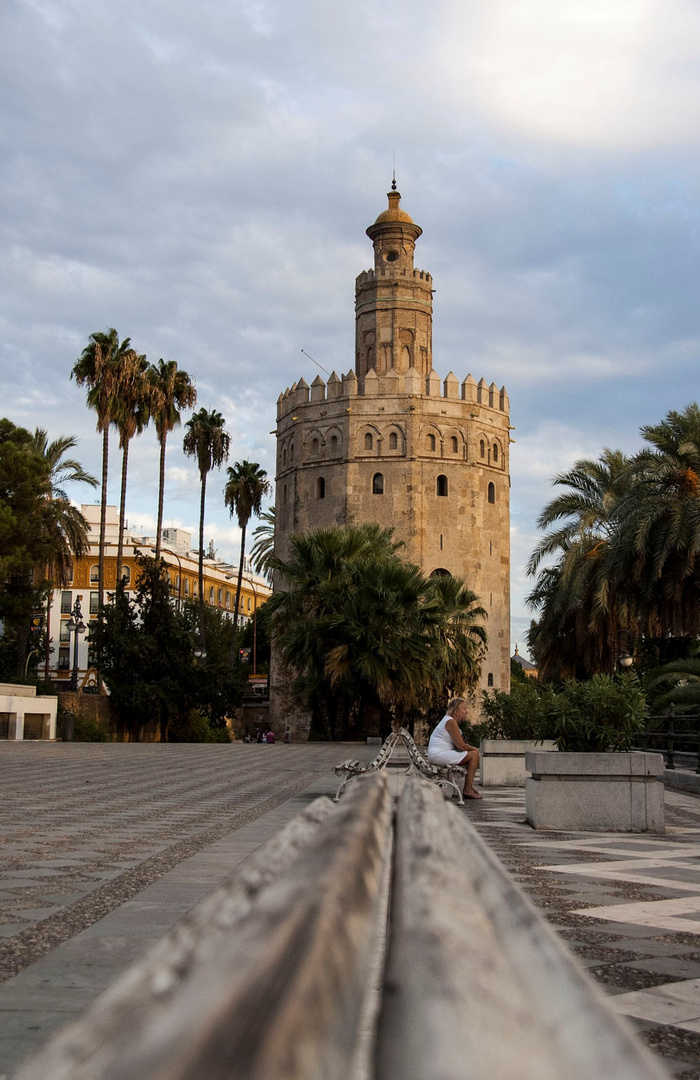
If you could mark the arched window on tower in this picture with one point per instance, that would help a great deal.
(495, 451)
(482, 448)
(314, 447)
(492, 493)
(368, 441)
(284, 458)
(442, 485)
(378, 484)
(489, 679)
(320, 488)
(334, 443)
(455, 444)
(431, 442)
(393, 440)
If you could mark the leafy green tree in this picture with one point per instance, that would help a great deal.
(146, 650)
(39, 535)
(100, 368)
(206, 439)
(245, 489)
(70, 523)
(364, 633)
(173, 391)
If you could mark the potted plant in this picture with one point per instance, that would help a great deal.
(596, 782)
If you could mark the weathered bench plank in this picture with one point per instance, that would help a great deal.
(266, 981)
(477, 986)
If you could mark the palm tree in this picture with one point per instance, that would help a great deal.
(65, 521)
(264, 547)
(245, 489)
(364, 631)
(131, 411)
(586, 600)
(662, 519)
(173, 390)
(206, 439)
(100, 368)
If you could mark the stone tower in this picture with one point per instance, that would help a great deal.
(392, 442)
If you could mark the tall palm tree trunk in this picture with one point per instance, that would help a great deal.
(161, 490)
(122, 510)
(103, 534)
(238, 595)
(201, 563)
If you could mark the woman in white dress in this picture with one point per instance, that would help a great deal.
(447, 747)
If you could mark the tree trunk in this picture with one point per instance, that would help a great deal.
(238, 593)
(103, 532)
(201, 563)
(161, 489)
(122, 510)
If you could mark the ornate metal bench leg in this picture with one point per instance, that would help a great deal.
(346, 780)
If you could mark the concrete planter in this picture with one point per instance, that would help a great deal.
(595, 792)
(503, 760)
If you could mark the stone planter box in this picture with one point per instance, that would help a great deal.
(595, 792)
(503, 760)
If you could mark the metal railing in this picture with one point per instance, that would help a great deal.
(676, 736)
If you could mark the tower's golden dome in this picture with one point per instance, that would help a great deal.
(394, 212)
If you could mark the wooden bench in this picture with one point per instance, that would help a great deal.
(363, 941)
(351, 768)
(437, 774)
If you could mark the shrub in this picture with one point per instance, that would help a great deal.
(85, 728)
(525, 713)
(606, 713)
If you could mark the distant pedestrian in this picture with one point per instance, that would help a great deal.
(287, 737)
(270, 737)
(258, 735)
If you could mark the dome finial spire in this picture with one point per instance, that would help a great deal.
(393, 170)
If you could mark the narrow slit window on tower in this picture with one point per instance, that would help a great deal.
(368, 441)
(378, 484)
(440, 541)
(492, 493)
(431, 442)
(284, 457)
(314, 446)
(482, 448)
(495, 451)
(291, 452)
(442, 485)
(284, 495)
(320, 488)
(334, 443)
(455, 444)
(393, 441)
(489, 679)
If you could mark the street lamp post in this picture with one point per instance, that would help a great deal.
(179, 577)
(255, 623)
(76, 626)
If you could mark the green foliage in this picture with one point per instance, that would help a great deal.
(146, 651)
(40, 531)
(626, 550)
(365, 635)
(197, 727)
(603, 714)
(85, 728)
(525, 713)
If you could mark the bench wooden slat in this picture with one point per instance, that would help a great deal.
(477, 985)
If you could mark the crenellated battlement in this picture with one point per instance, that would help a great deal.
(412, 383)
(372, 275)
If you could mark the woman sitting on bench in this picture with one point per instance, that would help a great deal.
(447, 747)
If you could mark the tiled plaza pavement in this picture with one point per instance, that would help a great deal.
(627, 905)
(104, 847)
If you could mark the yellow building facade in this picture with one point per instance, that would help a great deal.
(220, 580)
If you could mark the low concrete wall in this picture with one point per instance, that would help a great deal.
(503, 760)
(27, 716)
(595, 792)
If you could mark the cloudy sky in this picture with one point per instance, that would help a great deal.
(200, 177)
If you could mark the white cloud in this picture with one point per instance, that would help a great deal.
(606, 74)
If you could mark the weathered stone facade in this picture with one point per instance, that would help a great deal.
(391, 442)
